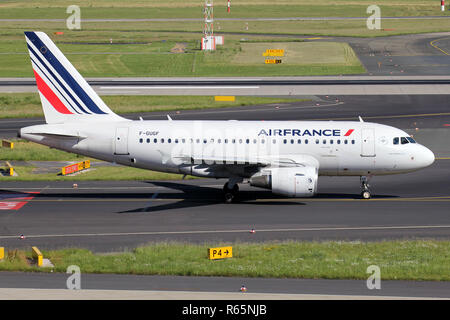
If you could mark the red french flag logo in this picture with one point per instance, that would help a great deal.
(349, 132)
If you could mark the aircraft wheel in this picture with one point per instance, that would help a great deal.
(230, 195)
(365, 195)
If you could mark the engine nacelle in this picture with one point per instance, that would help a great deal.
(292, 182)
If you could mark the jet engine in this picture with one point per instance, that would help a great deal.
(298, 182)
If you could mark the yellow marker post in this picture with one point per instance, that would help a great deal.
(225, 98)
(2, 253)
(10, 168)
(7, 144)
(220, 253)
(37, 255)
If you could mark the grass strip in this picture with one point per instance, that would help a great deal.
(398, 260)
(25, 105)
(116, 173)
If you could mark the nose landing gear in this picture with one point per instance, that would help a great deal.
(365, 191)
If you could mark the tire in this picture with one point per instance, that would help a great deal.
(230, 195)
(366, 195)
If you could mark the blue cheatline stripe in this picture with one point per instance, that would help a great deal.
(73, 84)
(56, 78)
(73, 109)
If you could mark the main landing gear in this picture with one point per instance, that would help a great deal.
(230, 191)
(365, 191)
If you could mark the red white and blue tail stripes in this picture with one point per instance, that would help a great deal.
(58, 82)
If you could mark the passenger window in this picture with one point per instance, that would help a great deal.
(317, 141)
(353, 141)
(263, 141)
(162, 140)
(396, 140)
(339, 141)
(148, 140)
(324, 142)
(284, 141)
(141, 140)
(345, 141)
(299, 141)
(274, 141)
(247, 141)
(331, 141)
(404, 140)
(219, 140)
(183, 140)
(306, 141)
(155, 140)
(169, 140)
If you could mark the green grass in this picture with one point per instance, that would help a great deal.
(398, 260)
(30, 151)
(153, 57)
(24, 105)
(192, 9)
(116, 173)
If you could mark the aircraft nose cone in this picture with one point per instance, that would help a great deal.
(427, 157)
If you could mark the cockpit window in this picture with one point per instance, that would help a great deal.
(411, 140)
(396, 140)
(404, 140)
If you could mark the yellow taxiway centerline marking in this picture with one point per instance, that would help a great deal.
(417, 199)
(436, 47)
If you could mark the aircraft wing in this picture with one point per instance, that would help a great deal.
(265, 161)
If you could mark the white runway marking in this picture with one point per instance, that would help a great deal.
(368, 228)
(179, 87)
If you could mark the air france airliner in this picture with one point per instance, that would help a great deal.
(284, 156)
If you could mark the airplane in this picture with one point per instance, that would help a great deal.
(284, 156)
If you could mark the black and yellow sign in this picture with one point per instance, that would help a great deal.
(273, 61)
(220, 253)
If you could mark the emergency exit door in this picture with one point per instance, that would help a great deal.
(368, 143)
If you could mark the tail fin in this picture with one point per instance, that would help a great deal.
(65, 95)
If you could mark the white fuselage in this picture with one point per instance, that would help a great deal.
(196, 147)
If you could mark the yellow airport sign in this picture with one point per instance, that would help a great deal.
(75, 167)
(272, 61)
(225, 98)
(7, 144)
(2, 253)
(274, 53)
(220, 253)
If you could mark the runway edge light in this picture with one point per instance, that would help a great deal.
(220, 253)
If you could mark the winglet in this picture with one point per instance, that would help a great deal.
(169, 118)
(360, 119)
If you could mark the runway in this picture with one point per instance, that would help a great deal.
(113, 216)
(106, 286)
